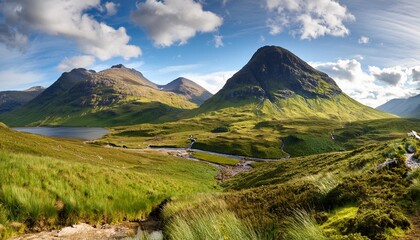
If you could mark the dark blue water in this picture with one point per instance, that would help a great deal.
(88, 133)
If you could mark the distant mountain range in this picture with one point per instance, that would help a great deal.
(10, 100)
(191, 90)
(409, 107)
(277, 83)
(115, 96)
(274, 83)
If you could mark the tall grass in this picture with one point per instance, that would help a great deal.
(303, 226)
(205, 217)
(324, 182)
(43, 191)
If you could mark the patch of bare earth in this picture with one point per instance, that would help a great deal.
(414, 234)
(85, 231)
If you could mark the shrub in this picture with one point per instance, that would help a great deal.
(375, 216)
(221, 129)
(351, 190)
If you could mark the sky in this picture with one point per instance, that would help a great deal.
(370, 48)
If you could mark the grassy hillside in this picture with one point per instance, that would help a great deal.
(342, 195)
(50, 182)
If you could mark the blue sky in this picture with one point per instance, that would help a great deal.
(369, 47)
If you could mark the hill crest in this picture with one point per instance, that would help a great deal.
(191, 90)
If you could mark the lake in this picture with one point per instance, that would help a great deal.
(88, 133)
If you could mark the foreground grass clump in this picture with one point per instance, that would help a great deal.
(205, 217)
(214, 158)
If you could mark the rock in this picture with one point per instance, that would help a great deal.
(16, 225)
(389, 163)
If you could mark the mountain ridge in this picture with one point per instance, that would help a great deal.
(278, 83)
(409, 107)
(10, 100)
(191, 90)
(117, 95)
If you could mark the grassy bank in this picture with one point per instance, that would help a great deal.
(47, 183)
(214, 158)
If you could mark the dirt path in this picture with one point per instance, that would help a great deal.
(84, 231)
(414, 234)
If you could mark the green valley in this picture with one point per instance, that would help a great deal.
(280, 152)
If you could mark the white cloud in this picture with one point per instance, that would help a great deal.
(111, 8)
(373, 87)
(76, 62)
(69, 19)
(218, 41)
(169, 22)
(392, 76)
(17, 80)
(308, 18)
(178, 68)
(363, 40)
(12, 38)
(213, 82)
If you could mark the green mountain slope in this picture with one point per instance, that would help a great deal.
(10, 100)
(409, 107)
(191, 90)
(116, 96)
(278, 84)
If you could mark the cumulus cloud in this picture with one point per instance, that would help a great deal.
(76, 62)
(374, 86)
(213, 82)
(171, 22)
(416, 74)
(111, 8)
(308, 18)
(218, 41)
(68, 19)
(18, 80)
(392, 76)
(363, 40)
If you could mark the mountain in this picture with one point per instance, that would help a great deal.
(409, 107)
(277, 83)
(10, 100)
(191, 90)
(115, 96)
